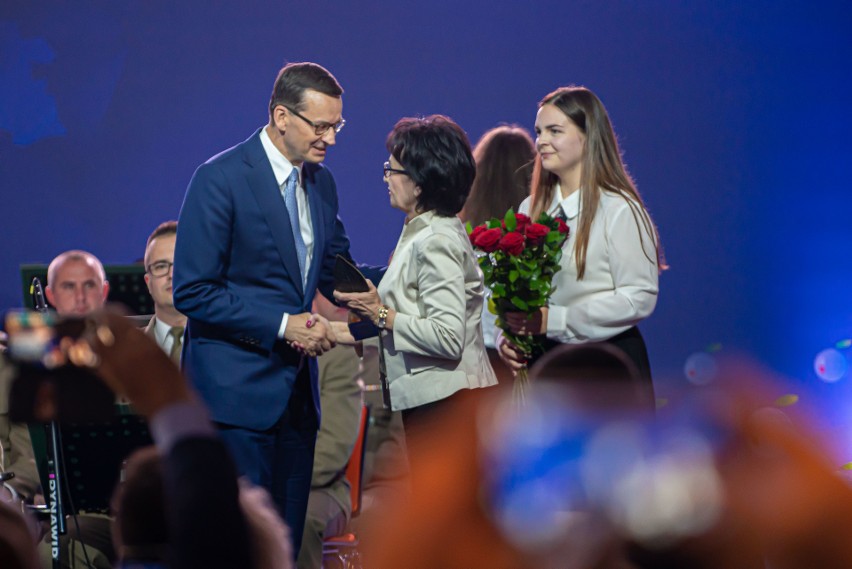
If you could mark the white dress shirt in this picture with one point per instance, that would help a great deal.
(161, 333)
(282, 167)
(620, 284)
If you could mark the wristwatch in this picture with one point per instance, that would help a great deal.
(383, 317)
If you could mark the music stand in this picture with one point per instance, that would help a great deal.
(92, 455)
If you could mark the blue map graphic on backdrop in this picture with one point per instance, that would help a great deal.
(27, 110)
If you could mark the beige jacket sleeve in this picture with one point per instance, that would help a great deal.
(439, 329)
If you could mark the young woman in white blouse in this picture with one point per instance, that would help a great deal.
(612, 259)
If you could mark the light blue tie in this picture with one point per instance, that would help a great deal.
(291, 185)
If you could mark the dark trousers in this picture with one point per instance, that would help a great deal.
(281, 458)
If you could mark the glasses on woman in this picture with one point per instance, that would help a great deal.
(387, 170)
(320, 128)
(160, 268)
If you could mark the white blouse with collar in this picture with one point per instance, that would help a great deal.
(619, 288)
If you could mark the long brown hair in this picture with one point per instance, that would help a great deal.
(603, 170)
(504, 162)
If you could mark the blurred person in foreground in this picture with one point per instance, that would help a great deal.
(428, 307)
(504, 159)
(141, 529)
(714, 485)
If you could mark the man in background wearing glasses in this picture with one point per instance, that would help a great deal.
(167, 324)
(259, 233)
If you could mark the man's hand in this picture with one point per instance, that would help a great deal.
(311, 334)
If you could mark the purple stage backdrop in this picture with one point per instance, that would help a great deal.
(734, 118)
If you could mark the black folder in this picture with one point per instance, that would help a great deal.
(347, 278)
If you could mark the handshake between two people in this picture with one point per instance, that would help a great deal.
(315, 333)
(310, 334)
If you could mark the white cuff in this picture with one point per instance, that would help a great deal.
(557, 324)
(283, 326)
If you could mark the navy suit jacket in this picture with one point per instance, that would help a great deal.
(236, 273)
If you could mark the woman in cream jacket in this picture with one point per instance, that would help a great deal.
(429, 303)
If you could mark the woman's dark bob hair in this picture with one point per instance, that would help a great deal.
(436, 154)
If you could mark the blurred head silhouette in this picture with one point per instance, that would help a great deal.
(598, 375)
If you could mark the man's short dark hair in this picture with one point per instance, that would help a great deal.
(436, 154)
(295, 78)
(165, 228)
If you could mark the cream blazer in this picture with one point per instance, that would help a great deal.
(434, 283)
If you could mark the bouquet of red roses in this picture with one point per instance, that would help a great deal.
(518, 261)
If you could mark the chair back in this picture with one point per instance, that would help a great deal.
(355, 466)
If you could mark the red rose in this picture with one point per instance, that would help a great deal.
(564, 229)
(477, 231)
(488, 239)
(513, 243)
(536, 233)
(521, 220)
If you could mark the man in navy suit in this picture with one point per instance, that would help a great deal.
(258, 235)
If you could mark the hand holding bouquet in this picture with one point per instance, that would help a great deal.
(518, 260)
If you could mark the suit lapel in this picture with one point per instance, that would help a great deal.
(261, 180)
